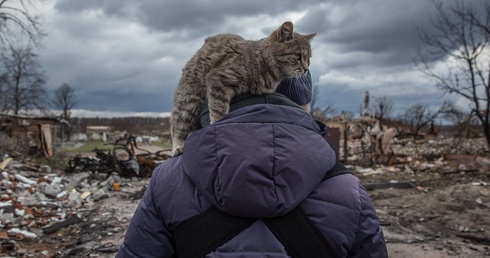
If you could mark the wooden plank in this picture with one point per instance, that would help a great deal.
(57, 226)
(385, 185)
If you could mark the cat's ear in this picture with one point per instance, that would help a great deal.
(309, 37)
(285, 32)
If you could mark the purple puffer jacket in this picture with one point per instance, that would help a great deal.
(260, 161)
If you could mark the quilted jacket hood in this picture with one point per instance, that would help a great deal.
(244, 163)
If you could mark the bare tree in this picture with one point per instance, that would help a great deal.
(460, 38)
(419, 116)
(65, 100)
(318, 112)
(22, 83)
(384, 107)
(452, 113)
(3, 93)
(16, 17)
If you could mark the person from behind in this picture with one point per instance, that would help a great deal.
(264, 160)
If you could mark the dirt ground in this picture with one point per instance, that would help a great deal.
(427, 209)
(444, 216)
(433, 201)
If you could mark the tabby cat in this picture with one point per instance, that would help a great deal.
(228, 65)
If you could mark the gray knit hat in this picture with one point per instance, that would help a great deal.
(297, 89)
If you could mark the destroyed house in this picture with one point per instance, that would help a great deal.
(31, 132)
(98, 132)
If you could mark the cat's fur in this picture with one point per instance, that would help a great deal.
(228, 65)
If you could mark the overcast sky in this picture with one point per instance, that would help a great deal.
(126, 56)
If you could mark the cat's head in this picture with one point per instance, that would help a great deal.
(290, 50)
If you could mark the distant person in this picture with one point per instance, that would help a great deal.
(262, 160)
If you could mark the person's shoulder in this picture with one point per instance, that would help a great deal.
(165, 170)
(351, 188)
(346, 179)
(345, 188)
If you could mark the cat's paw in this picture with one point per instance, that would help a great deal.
(177, 151)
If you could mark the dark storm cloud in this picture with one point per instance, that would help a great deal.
(123, 55)
(115, 101)
(378, 27)
(188, 17)
(109, 7)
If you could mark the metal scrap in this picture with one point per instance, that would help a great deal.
(123, 158)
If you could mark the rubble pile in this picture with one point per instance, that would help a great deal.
(439, 145)
(434, 199)
(407, 150)
(453, 221)
(430, 162)
(432, 195)
(45, 213)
